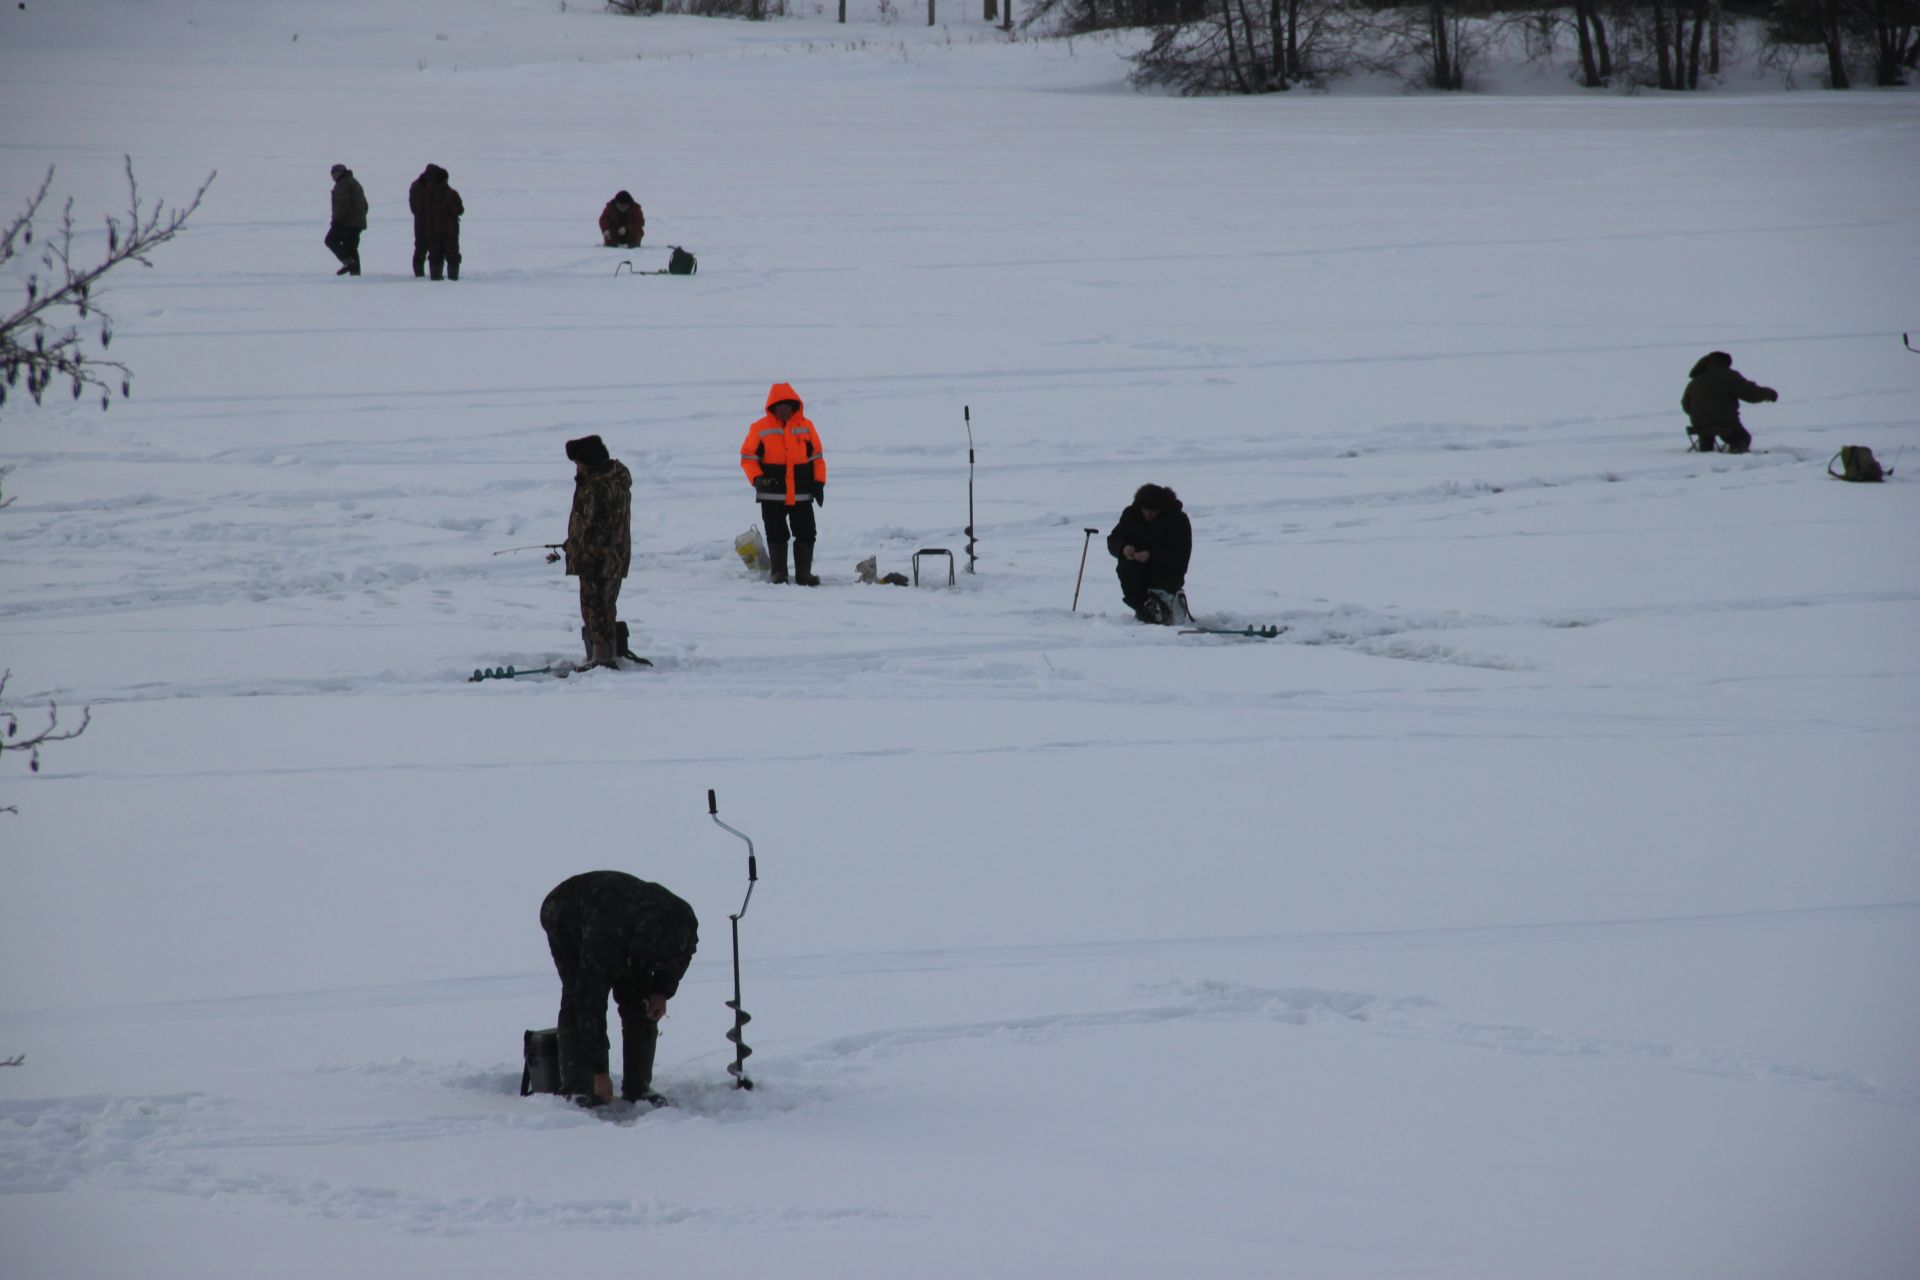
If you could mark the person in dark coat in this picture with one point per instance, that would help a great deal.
(622, 223)
(441, 207)
(1151, 546)
(612, 933)
(417, 203)
(599, 545)
(1712, 401)
(348, 221)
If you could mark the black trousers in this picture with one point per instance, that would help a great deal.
(419, 254)
(1137, 579)
(778, 516)
(345, 243)
(1738, 439)
(584, 1051)
(443, 254)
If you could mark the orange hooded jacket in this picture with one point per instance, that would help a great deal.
(784, 461)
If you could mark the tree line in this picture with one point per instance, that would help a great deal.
(1269, 46)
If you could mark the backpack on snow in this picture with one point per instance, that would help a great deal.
(682, 263)
(1856, 463)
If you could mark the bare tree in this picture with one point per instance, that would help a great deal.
(1246, 46)
(42, 339)
(1884, 34)
(1596, 53)
(10, 739)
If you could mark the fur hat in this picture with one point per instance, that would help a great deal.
(588, 449)
(339, 169)
(1156, 497)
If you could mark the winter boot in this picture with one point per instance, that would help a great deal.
(777, 553)
(803, 564)
(345, 267)
(638, 1039)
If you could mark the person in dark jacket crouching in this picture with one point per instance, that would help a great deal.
(1712, 401)
(612, 933)
(1151, 545)
(623, 225)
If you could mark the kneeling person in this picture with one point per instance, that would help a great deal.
(622, 223)
(612, 933)
(1152, 544)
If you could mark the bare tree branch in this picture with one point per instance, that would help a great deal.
(38, 339)
(10, 739)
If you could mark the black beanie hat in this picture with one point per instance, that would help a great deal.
(588, 449)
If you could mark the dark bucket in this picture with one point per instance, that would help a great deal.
(541, 1074)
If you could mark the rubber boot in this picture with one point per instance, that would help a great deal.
(777, 552)
(803, 564)
(638, 1043)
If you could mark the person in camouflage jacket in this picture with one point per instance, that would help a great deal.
(612, 933)
(599, 544)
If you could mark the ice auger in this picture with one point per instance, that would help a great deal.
(737, 1068)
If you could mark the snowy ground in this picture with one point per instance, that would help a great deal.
(1542, 903)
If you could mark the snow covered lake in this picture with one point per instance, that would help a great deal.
(1543, 902)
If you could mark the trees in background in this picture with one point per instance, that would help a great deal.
(1852, 35)
(1270, 46)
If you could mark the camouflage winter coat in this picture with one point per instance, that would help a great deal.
(600, 529)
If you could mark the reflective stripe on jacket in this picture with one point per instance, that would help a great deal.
(790, 453)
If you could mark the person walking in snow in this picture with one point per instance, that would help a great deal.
(788, 470)
(622, 223)
(1712, 400)
(417, 203)
(441, 207)
(1151, 546)
(615, 934)
(599, 545)
(348, 221)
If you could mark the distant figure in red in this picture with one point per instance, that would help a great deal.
(622, 224)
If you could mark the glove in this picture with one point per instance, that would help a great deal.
(1772, 394)
(765, 488)
(820, 496)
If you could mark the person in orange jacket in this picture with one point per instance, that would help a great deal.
(788, 470)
